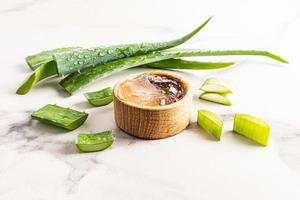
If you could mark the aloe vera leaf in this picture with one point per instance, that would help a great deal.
(210, 122)
(187, 64)
(59, 116)
(44, 71)
(100, 97)
(94, 142)
(76, 81)
(37, 60)
(215, 88)
(186, 52)
(252, 127)
(80, 59)
(216, 98)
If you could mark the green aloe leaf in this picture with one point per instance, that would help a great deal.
(216, 98)
(39, 59)
(252, 127)
(80, 59)
(211, 123)
(100, 97)
(76, 60)
(59, 116)
(94, 142)
(44, 71)
(187, 64)
(76, 81)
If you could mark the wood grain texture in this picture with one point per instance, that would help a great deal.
(153, 122)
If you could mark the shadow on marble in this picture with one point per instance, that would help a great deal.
(194, 128)
(23, 69)
(70, 148)
(45, 129)
(50, 84)
(83, 105)
(241, 139)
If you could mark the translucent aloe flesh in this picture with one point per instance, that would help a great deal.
(252, 127)
(216, 98)
(211, 123)
(37, 60)
(217, 81)
(215, 85)
(100, 97)
(59, 116)
(77, 80)
(94, 142)
(78, 59)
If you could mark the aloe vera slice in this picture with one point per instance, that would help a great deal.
(252, 127)
(217, 81)
(37, 60)
(187, 64)
(215, 88)
(94, 142)
(216, 98)
(100, 97)
(215, 85)
(58, 116)
(76, 81)
(210, 122)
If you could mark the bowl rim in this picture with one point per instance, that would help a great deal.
(183, 81)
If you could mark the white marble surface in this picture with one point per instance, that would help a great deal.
(39, 162)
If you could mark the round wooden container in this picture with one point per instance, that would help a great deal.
(153, 122)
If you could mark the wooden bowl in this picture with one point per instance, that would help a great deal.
(153, 122)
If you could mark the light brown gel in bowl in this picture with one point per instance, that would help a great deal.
(151, 90)
(152, 105)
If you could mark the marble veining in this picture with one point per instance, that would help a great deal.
(42, 162)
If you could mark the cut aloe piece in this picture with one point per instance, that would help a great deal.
(210, 122)
(94, 142)
(58, 116)
(215, 81)
(100, 97)
(252, 127)
(215, 88)
(215, 85)
(216, 98)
